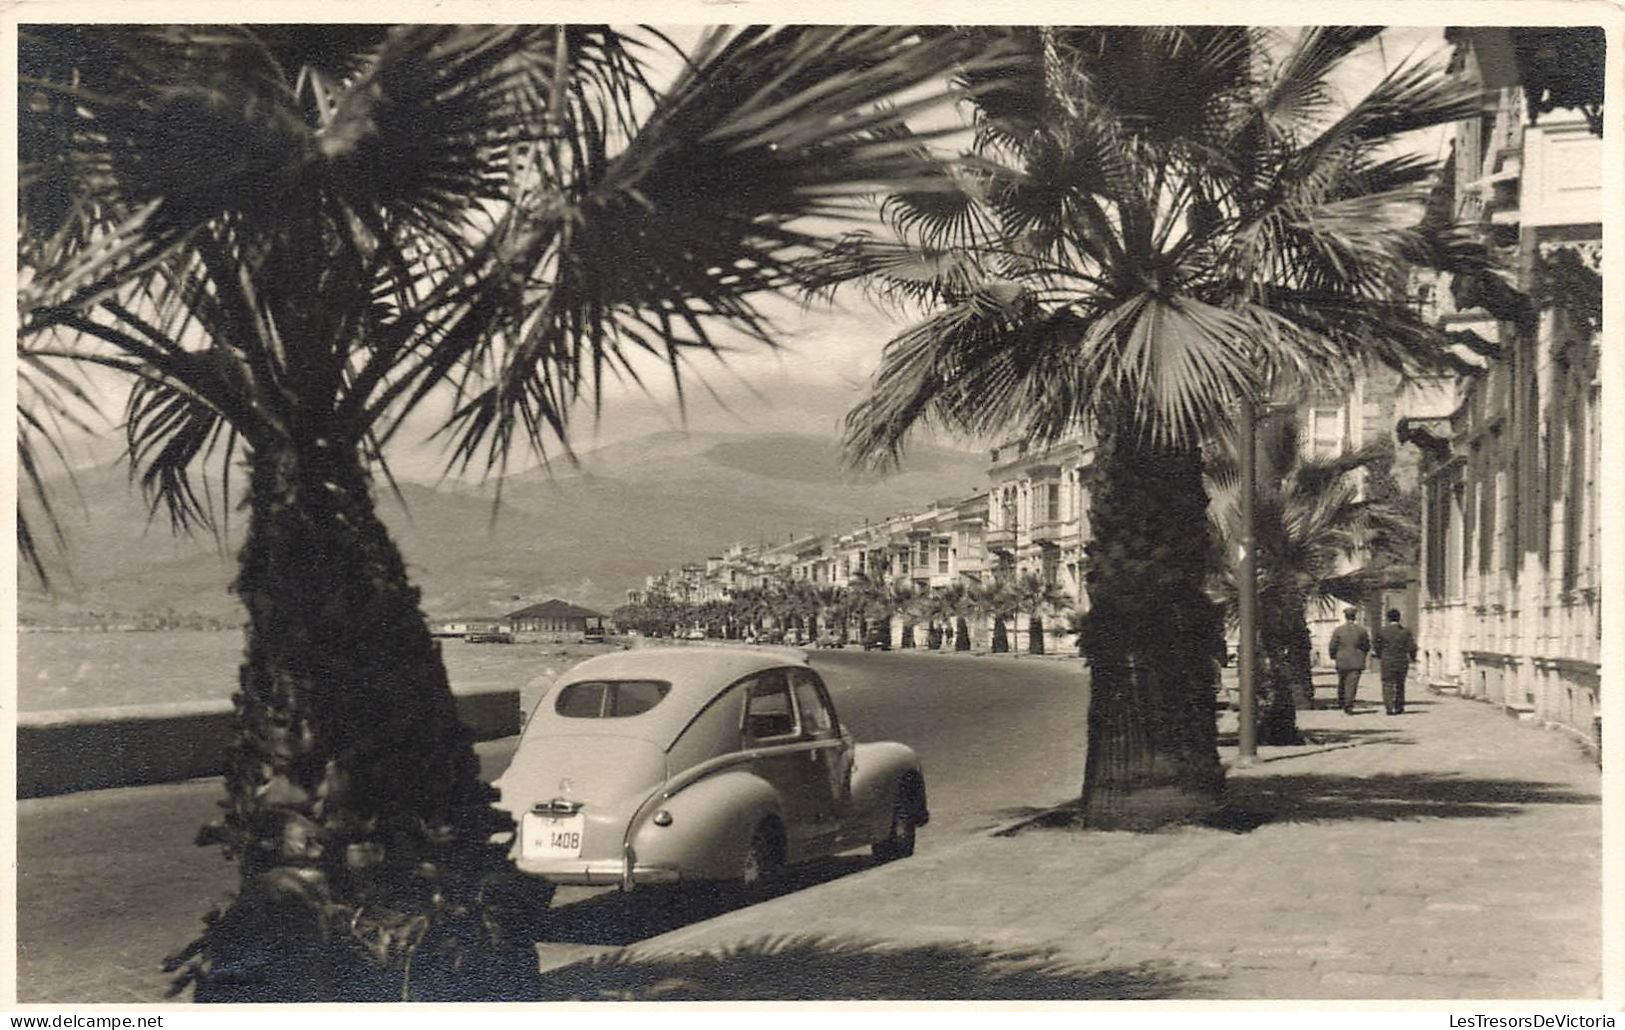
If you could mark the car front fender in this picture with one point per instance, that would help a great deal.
(880, 772)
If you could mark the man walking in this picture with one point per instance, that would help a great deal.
(1395, 650)
(1350, 644)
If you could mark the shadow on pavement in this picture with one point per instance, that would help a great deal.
(1380, 735)
(799, 968)
(619, 918)
(1320, 738)
(1256, 800)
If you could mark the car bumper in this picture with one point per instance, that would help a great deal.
(600, 873)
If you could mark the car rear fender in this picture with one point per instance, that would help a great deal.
(712, 821)
(881, 772)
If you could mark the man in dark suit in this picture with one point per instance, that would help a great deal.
(1350, 644)
(1395, 650)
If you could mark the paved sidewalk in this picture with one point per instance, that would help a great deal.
(1446, 853)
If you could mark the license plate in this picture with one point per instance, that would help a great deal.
(552, 836)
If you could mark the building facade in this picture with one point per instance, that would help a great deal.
(555, 620)
(1509, 445)
(1038, 512)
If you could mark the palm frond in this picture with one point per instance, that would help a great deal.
(896, 272)
(653, 247)
(994, 360)
(1296, 91)
(171, 435)
(1182, 361)
(51, 403)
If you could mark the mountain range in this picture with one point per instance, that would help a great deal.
(583, 531)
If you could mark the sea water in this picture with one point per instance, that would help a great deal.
(57, 670)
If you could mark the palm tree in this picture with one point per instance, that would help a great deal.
(957, 602)
(1312, 520)
(1157, 221)
(803, 605)
(995, 601)
(902, 602)
(292, 238)
(1034, 596)
(831, 600)
(750, 607)
(938, 613)
(869, 601)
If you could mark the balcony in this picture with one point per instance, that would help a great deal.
(1002, 539)
(1049, 531)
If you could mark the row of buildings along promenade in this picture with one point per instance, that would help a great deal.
(1033, 519)
(1504, 450)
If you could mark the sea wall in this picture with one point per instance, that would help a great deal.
(90, 748)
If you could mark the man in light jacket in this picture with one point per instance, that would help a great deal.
(1350, 644)
(1395, 648)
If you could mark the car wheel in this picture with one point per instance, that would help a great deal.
(763, 861)
(900, 842)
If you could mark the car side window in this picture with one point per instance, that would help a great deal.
(768, 710)
(817, 717)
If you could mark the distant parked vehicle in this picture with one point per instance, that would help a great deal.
(830, 640)
(593, 634)
(877, 640)
(676, 764)
(489, 636)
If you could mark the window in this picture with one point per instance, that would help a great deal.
(768, 711)
(1327, 438)
(942, 557)
(817, 718)
(609, 699)
(1442, 539)
(1052, 493)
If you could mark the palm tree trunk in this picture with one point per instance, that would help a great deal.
(1153, 640)
(962, 637)
(1035, 634)
(354, 804)
(1001, 641)
(1287, 659)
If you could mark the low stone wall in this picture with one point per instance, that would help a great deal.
(91, 748)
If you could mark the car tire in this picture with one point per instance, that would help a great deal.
(763, 861)
(900, 842)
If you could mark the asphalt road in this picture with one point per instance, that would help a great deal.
(109, 881)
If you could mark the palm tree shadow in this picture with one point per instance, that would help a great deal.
(620, 918)
(805, 968)
(1322, 738)
(1253, 801)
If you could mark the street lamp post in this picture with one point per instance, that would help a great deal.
(1247, 590)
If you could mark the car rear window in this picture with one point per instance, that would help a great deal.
(609, 699)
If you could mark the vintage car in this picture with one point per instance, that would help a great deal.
(682, 764)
